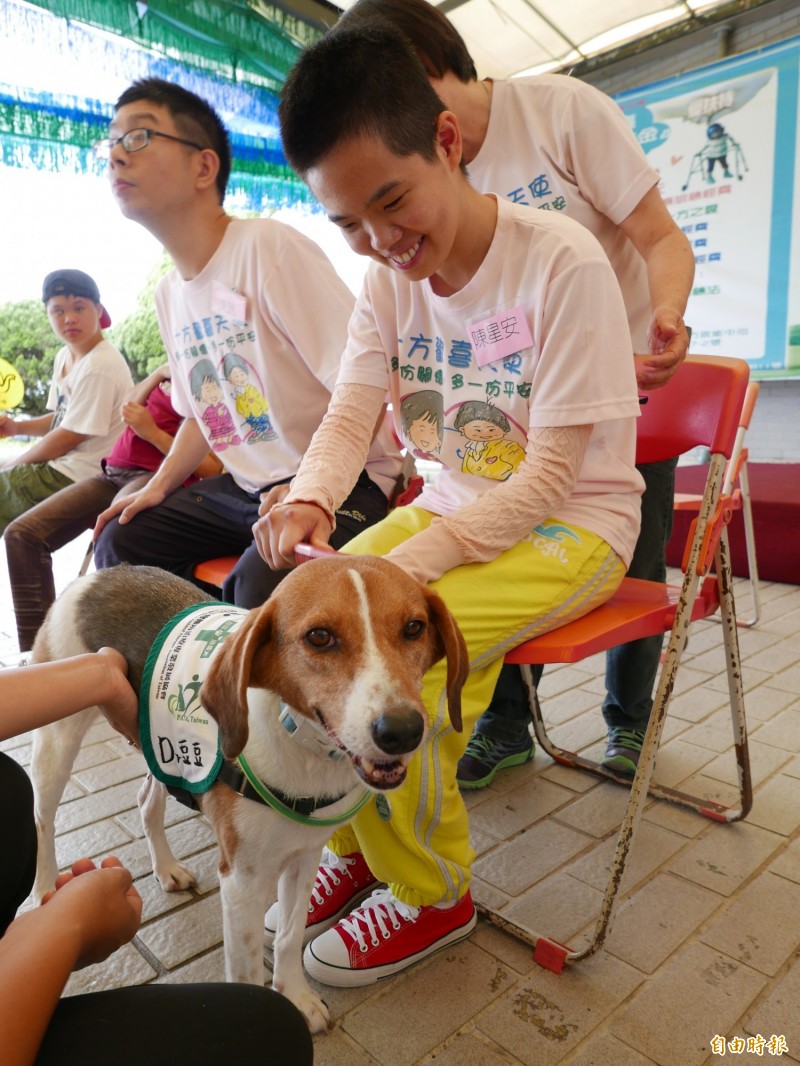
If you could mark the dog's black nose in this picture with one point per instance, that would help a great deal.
(397, 734)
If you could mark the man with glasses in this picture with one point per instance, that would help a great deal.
(253, 289)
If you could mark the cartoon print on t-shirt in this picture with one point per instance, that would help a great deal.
(207, 391)
(251, 404)
(422, 419)
(487, 452)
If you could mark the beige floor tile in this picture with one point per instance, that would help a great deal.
(697, 995)
(651, 847)
(653, 924)
(778, 1015)
(181, 935)
(545, 1016)
(520, 863)
(759, 928)
(558, 908)
(776, 805)
(382, 1027)
(726, 856)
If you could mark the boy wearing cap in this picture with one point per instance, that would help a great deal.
(90, 381)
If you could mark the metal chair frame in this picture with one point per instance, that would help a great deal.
(737, 486)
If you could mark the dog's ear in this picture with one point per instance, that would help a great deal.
(449, 642)
(224, 691)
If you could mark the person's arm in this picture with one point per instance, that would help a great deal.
(670, 273)
(25, 427)
(93, 912)
(52, 445)
(142, 390)
(42, 693)
(189, 448)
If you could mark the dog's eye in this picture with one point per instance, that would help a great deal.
(413, 629)
(320, 638)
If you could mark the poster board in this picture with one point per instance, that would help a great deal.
(724, 139)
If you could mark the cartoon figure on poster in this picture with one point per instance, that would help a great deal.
(720, 150)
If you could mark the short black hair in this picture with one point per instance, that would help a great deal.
(194, 117)
(480, 411)
(438, 43)
(427, 404)
(364, 81)
(201, 372)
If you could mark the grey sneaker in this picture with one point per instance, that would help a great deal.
(485, 755)
(623, 750)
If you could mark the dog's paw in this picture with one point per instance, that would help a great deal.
(176, 877)
(314, 1011)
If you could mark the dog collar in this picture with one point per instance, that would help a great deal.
(297, 808)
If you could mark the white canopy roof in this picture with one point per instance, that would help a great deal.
(508, 37)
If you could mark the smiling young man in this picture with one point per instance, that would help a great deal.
(477, 299)
(90, 381)
(254, 295)
(558, 144)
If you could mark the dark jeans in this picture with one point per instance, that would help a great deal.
(215, 517)
(32, 538)
(631, 669)
(155, 1024)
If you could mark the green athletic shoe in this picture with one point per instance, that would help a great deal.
(623, 750)
(486, 755)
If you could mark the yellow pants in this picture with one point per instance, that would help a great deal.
(416, 837)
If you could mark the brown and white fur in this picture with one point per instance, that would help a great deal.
(344, 642)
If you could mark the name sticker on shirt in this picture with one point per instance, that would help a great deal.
(502, 334)
(226, 302)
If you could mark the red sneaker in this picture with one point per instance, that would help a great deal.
(382, 937)
(342, 882)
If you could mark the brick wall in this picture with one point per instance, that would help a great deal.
(775, 430)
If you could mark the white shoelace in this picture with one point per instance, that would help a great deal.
(375, 915)
(330, 866)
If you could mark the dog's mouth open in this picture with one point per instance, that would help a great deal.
(380, 774)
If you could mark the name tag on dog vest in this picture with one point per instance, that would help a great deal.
(179, 739)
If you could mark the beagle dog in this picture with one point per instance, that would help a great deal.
(316, 696)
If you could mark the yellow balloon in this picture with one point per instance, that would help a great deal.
(12, 387)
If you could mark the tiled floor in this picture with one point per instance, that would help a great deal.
(705, 946)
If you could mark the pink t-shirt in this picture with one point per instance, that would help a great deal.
(260, 332)
(545, 279)
(555, 143)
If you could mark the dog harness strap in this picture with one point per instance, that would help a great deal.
(297, 809)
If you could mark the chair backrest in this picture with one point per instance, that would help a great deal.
(701, 405)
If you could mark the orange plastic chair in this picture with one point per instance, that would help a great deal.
(700, 406)
(737, 486)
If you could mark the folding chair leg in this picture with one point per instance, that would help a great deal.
(548, 952)
(750, 544)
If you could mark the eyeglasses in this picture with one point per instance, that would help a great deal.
(136, 140)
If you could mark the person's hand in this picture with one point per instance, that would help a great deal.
(99, 906)
(286, 525)
(128, 507)
(139, 419)
(7, 425)
(668, 340)
(272, 497)
(120, 705)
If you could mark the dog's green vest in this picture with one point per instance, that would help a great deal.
(179, 739)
